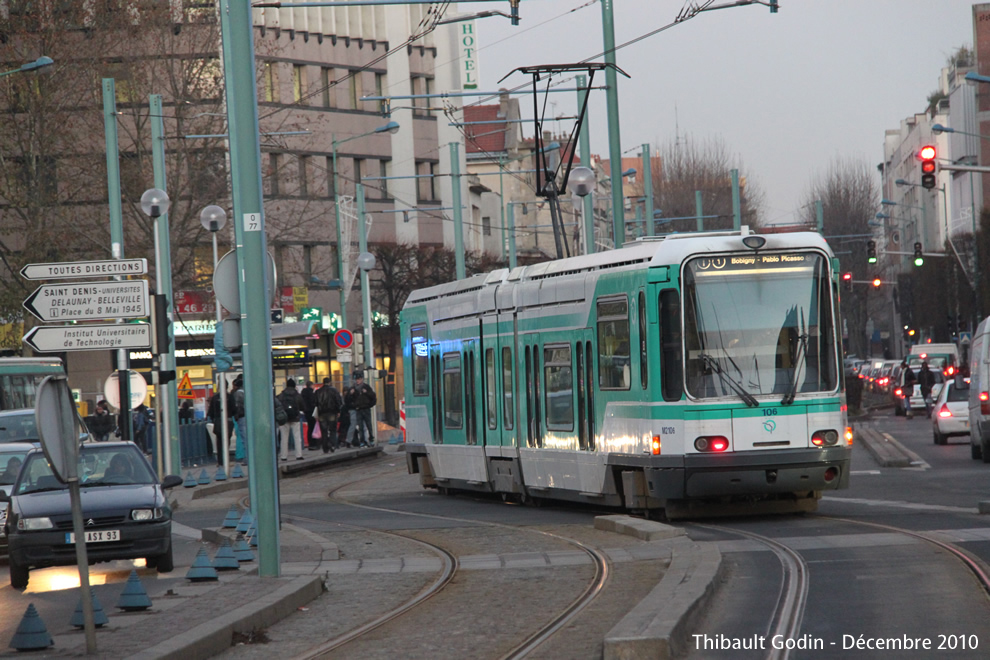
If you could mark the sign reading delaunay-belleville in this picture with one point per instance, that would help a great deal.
(55, 339)
(89, 301)
(74, 269)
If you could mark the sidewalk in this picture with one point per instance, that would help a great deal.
(190, 620)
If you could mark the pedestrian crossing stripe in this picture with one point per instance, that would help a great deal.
(186, 388)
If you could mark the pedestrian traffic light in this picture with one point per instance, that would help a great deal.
(871, 252)
(927, 156)
(358, 348)
(919, 257)
(877, 283)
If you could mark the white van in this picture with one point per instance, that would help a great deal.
(942, 357)
(979, 392)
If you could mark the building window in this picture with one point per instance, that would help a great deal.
(326, 88)
(331, 178)
(272, 175)
(354, 88)
(427, 190)
(298, 83)
(613, 344)
(269, 82)
(486, 225)
(304, 176)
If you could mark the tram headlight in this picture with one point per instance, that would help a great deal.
(711, 443)
(825, 438)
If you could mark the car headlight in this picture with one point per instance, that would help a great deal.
(33, 524)
(142, 515)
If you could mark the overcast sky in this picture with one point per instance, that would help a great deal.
(786, 93)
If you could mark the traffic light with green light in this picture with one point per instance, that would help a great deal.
(871, 252)
(919, 257)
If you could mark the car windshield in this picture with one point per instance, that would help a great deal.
(958, 392)
(18, 426)
(10, 465)
(98, 466)
(759, 324)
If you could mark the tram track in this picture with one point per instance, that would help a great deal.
(448, 572)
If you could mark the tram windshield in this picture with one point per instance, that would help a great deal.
(759, 324)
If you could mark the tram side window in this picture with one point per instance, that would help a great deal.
(643, 362)
(508, 416)
(613, 344)
(18, 391)
(453, 407)
(491, 395)
(559, 390)
(420, 360)
(671, 361)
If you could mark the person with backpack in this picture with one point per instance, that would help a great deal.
(361, 398)
(293, 404)
(309, 410)
(328, 403)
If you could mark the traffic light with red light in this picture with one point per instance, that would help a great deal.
(919, 257)
(871, 252)
(877, 283)
(927, 157)
(848, 279)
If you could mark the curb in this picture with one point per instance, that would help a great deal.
(297, 468)
(886, 451)
(647, 530)
(216, 636)
(659, 626)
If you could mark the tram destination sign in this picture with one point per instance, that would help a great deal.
(96, 337)
(77, 269)
(89, 301)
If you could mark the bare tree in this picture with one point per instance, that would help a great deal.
(688, 166)
(849, 195)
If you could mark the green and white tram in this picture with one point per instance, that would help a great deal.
(677, 371)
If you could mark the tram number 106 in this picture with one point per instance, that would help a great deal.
(769, 412)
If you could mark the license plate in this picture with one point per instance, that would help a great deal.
(96, 537)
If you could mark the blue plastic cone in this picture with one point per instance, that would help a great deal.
(220, 475)
(99, 616)
(245, 522)
(241, 550)
(232, 517)
(201, 570)
(253, 538)
(225, 560)
(31, 634)
(237, 473)
(190, 481)
(204, 478)
(134, 598)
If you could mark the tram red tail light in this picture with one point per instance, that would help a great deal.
(825, 438)
(830, 474)
(711, 443)
(655, 445)
(985, 403)
(944, 411)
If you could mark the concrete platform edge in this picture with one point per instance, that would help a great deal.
(215, 636)
(659, 626)
(884, 452)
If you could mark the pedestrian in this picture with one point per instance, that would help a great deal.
(908, 381)
(926, 381)
(186, 413)
(237, 401)
(292, 402)
(361, 398)
(309, 406)
(102, 424)
(214, 413)
(140, 425)
(329, 402)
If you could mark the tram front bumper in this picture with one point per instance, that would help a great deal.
(752, 473)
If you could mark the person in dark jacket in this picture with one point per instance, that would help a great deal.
(102, 424)
(329, 403)
(926, 381)
(186, 412)
(361, 398)
(309, 407)
(293, 404)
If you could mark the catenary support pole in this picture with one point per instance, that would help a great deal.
(584, 145)
(614, 141)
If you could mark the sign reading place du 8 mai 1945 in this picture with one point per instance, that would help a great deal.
(89, 301)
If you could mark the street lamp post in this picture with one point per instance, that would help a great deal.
(38, 66)
(214, 218)
(391, 127)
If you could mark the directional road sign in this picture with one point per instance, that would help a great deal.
(89, 301)
(74, 269)
(97, 337)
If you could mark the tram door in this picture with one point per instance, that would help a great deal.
(436, 386)
(585, 375)
(471, 399)
(532, 372)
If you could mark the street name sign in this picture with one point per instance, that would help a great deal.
(74, 269)
(96, 337)
(89, 301)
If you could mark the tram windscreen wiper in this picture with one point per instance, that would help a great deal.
(713, 364)
(800, 352)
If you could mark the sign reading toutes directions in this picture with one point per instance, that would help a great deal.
(89, 301)
(73, 269)
(96, 337)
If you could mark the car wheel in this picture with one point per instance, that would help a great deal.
(985, 451)
(164, 562)
(899, 410)
(975, 451)
(18, 575)
(939, 438)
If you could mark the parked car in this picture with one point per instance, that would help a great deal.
(18, 426)
(12, 456)
(125, 508)
(950, 414)
(979, 392)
